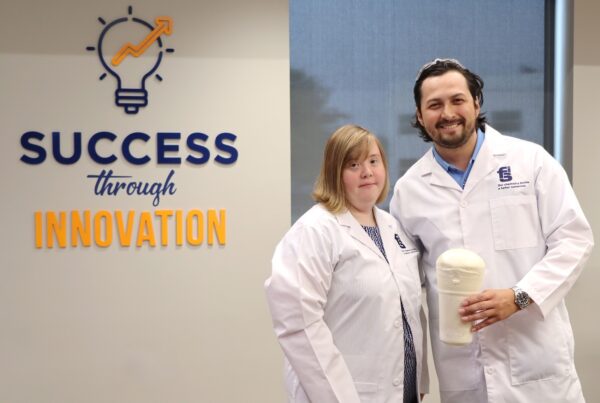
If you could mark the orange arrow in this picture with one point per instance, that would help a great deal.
(164, 25)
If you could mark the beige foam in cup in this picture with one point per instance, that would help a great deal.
(459, 274)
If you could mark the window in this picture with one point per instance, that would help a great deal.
(355, 61)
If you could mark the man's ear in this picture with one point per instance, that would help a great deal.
(419, 116)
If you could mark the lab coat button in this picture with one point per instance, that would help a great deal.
(463, 204)
(396, 382)
(396, 323)
(489, 371)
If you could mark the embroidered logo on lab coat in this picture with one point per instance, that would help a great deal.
(506, 181)
(402, 246)
(504, 174)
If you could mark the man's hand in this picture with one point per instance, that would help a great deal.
(488, 307)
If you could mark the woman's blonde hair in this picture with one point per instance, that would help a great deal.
(349, 142)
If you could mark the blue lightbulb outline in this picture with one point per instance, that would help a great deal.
(129, 108)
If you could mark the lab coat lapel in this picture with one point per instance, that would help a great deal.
(487, 160)
(437, 175)
(355, 230)
(388, 236)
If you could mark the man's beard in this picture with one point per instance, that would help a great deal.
(455, 141)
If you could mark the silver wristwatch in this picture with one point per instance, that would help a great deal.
(522, 299)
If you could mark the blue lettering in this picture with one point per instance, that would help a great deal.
(194, 146)
(162, 148)
(125, 148)
(76, 149)
(35, 148)
(92, 147)
(101, 148)
(232, 151)
(109, 184)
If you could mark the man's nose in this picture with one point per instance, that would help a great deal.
(447, 111)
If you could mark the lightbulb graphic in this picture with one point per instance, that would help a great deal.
(132, 63)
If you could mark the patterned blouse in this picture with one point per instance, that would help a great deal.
(410, 356)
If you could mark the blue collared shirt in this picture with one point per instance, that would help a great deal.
(458, 175)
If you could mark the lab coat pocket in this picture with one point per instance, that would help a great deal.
(366, 391)
(414, 284)
(515, 222)
(412, 265)
(406, 268)
(364, 370)
(537, 351)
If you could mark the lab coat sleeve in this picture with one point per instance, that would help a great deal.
(568, 235)
(303, 266)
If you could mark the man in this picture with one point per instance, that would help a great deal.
(510, 202)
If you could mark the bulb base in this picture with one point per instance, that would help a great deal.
(131, 99)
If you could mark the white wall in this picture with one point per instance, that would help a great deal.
(584, 299)
(143, 324)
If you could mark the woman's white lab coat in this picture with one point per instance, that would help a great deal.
(519, 212)
(335, 303)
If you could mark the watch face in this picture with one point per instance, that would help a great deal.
(522, 299)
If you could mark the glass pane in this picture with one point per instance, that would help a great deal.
(355, 61)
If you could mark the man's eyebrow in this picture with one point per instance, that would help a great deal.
(455, 95)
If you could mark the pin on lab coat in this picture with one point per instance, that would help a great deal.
(519, 212)
(335, 304)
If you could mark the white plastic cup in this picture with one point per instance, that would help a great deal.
(459, 274)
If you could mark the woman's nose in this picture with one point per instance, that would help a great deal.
(366, 171)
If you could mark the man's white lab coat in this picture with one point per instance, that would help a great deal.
(519, 212)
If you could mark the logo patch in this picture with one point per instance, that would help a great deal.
(402, 246)
(504, 174)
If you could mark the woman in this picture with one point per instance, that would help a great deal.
(345, 294)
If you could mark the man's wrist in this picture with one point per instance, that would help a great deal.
(522, 299)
